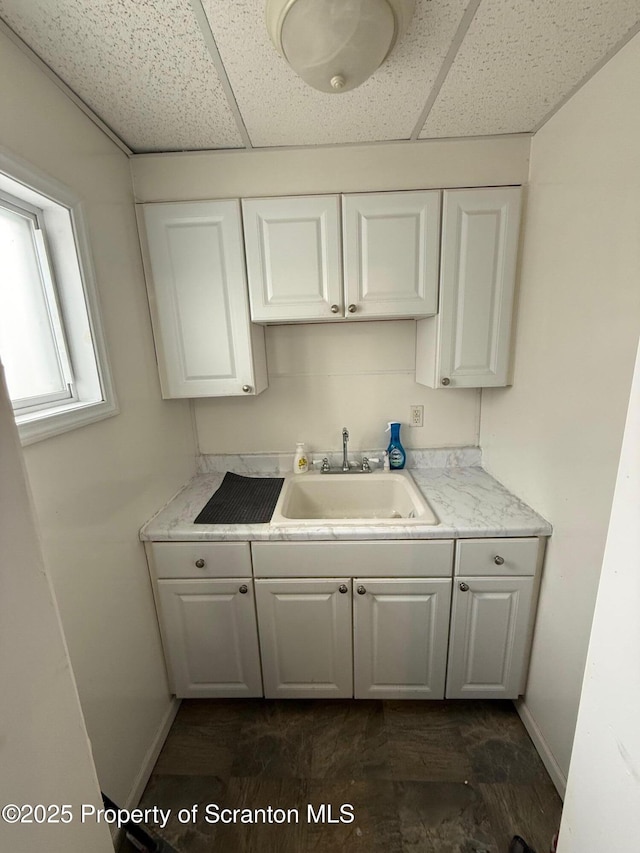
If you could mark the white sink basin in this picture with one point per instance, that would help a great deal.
(376, 498)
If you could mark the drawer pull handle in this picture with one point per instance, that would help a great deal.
(464, 587)
(244, 589)
(200, 564)
(361, 590)
(343, 588)
(498, 560)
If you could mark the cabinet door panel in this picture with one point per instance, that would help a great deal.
(480, 241)
(489, 637)
(210, 637)
(194, 261)
(401, 629)
(391, 252)
(293, 257)
(468, 344)
(305, 638)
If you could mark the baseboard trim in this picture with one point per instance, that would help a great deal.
(553, 768)
(140, 783)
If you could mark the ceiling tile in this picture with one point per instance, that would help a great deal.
(141, 65)
(520, 59)
(279, 109)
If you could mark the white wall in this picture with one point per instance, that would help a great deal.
(322, 377)
(95, 486)
(39, 711)
(555, 436)
(601, 806)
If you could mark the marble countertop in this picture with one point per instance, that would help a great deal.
(467, 500)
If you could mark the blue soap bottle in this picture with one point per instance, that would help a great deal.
(397, 456)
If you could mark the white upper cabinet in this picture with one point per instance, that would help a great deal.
(468, 344)
(293, 258)
(388, 248)
(391, 251)
(194, 264)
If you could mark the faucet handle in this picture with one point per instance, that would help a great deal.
(367, 462)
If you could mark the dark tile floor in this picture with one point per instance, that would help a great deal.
(429, 777)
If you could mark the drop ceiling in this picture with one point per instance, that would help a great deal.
(174, 75)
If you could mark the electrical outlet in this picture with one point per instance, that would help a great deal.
(416, 416)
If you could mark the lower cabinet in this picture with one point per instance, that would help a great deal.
(401, 628)
(495, 582)
(465, 632)
(305, 637)
(488, 644)
(206, 611)
(210, 637)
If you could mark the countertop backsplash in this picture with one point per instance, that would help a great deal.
(282, 463)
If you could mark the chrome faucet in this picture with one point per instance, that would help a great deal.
(346, 467)
(345, 439)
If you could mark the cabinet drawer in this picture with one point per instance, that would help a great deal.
(400, 558)
(496, 557)
(200, 559)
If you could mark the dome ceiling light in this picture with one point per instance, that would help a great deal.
(335, 45)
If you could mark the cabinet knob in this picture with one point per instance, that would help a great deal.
(244, 589)
(464, 587)
(446, 381)
(361, 590)
(343, 588)
(200, 564)
(246, 388)
(335, 309)
(498, 560)
(352, 309)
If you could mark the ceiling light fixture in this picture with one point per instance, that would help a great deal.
(335, 45)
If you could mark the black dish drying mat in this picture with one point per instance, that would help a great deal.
(242, 500)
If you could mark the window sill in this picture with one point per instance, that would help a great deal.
(37, 426)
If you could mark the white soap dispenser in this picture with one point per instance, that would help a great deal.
(300, 461)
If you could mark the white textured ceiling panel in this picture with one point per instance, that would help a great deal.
(279, 109)
(519, 60)
(141, 65)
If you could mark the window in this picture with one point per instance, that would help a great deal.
(51, 343)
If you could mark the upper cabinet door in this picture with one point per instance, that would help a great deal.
(468, 344)
(194, 264)
(293, 258)
(391, 253)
